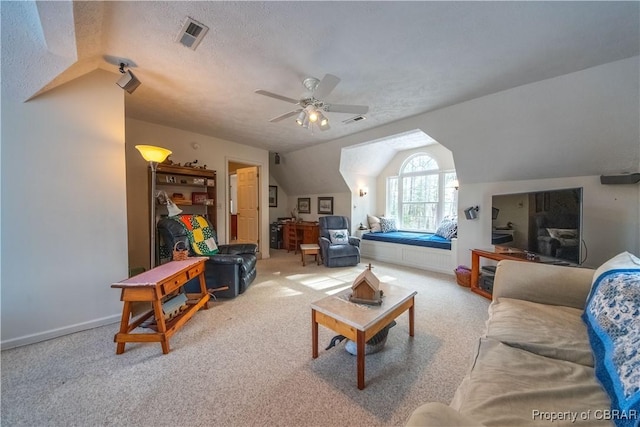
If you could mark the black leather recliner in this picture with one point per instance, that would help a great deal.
(234, 266)
(337, 255)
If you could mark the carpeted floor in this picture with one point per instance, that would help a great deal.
(247, 361)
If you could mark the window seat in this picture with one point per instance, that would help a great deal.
(428, 240)
(419, 250)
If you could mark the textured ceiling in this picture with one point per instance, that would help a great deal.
(400, 58)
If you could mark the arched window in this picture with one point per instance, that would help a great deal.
(422, 194)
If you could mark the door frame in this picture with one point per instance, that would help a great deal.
(263, 243)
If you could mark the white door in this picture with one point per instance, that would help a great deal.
(248, 208)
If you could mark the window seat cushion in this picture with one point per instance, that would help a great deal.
(410, 238)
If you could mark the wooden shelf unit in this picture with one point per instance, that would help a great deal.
(180, 179)
(476, 254)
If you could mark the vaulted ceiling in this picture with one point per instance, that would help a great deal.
(399, 58)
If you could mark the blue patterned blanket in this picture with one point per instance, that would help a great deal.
(612, 315)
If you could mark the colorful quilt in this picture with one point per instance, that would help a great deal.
(201, 235)
(612, 316)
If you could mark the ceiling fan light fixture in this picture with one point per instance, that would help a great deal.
(313, 116)
(323, 120)
(305, 123)
(301, 117)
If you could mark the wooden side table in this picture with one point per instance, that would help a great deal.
(310, 249)
(496, 256)
(151, 286)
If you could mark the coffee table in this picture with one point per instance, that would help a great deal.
(360, 322)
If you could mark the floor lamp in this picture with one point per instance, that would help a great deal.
(153, 155)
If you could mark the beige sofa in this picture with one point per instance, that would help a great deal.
(534, 366)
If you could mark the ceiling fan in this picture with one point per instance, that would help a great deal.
(312, 106)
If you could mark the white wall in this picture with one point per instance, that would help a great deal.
(64, 229)
(282, 210)
(341, 205)
(215, 153)
(610, 215)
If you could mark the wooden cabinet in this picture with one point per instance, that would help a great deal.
(309, 233)
(192, 189)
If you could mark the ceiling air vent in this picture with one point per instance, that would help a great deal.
(354, 119)
(192, 33)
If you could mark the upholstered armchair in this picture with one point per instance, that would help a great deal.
(233, 266)
(337, 247)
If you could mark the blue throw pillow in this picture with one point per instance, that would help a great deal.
(388, 224)
(448, 229)
(612, 316)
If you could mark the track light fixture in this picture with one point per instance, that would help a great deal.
(128, 81)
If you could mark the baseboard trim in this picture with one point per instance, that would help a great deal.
(58, 332)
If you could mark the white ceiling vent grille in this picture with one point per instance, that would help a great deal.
(354, 119)
(192, 33)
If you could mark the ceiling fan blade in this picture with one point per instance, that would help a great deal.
(285, 115)
(326, 85)
(343, 108)
(276, 96)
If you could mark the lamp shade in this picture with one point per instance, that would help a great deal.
(152, 153)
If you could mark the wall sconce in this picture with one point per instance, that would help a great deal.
(472, 212)
(276, 159)
(456, 184)
(363, 191)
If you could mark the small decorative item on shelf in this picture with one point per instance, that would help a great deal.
(198, 181)
(180, 254)
(199, 198)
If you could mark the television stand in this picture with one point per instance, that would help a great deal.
(476, 254)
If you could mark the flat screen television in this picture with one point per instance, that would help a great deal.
(547, 224)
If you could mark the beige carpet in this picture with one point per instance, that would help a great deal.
(247, 361)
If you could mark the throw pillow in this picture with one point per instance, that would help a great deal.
(612, 316)
(388, 224)
(374, 223)
(447, 229)
(339, 237)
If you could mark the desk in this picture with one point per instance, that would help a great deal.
(310, 233)
(151, 286)
(496, 256)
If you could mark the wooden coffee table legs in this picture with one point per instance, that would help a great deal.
(360, 337)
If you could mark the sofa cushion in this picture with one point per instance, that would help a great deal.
(546, 330)
(612, 316)
(512, 387)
